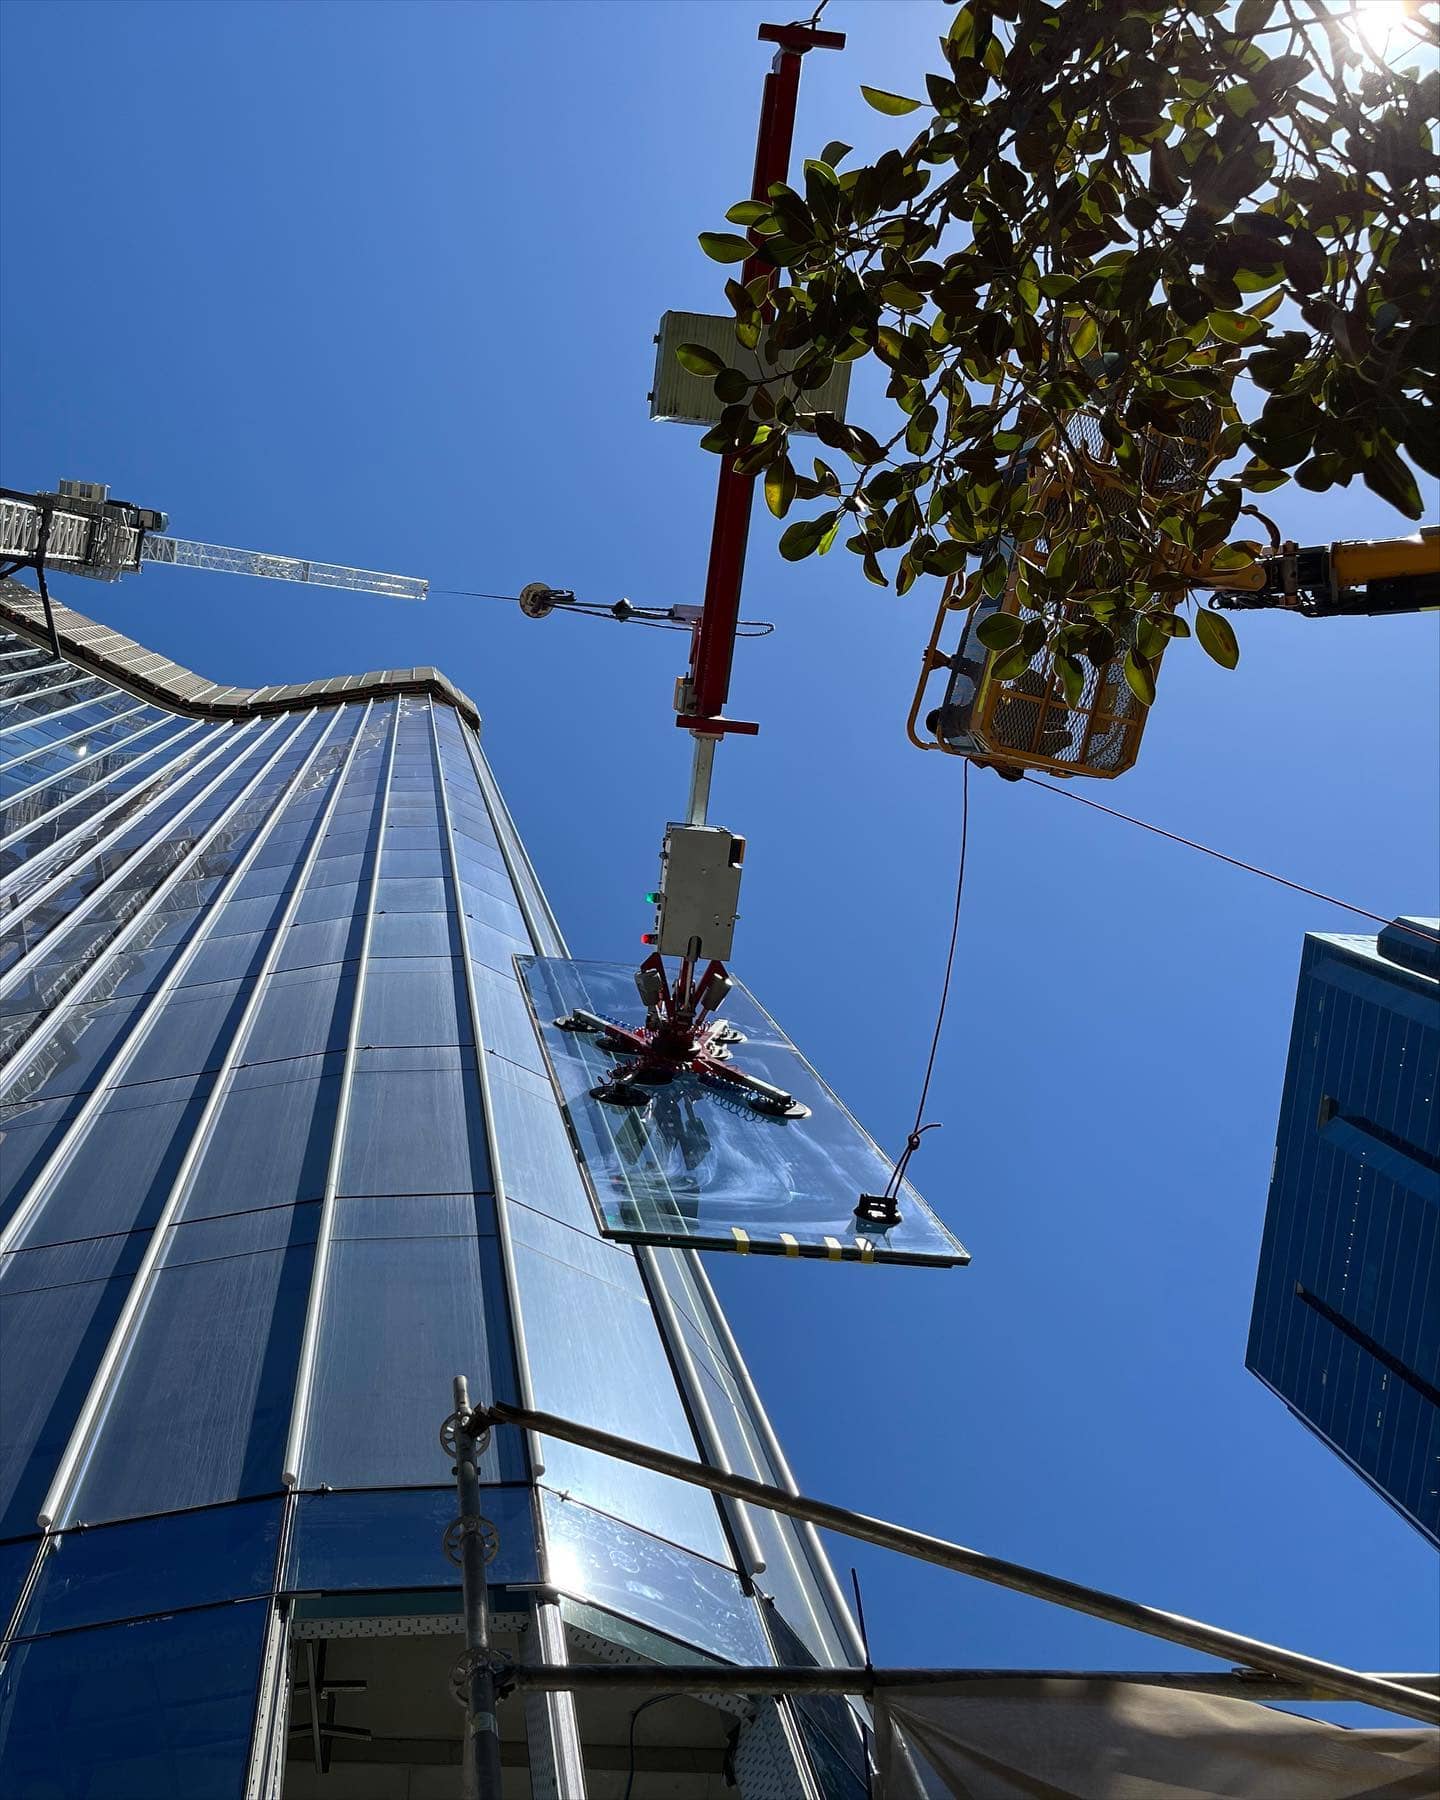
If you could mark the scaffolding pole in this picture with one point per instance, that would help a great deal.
(1331, 1680)
(472, 1541)
(712, 1678)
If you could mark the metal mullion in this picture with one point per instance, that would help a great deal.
(226, 740)
(90, 1418)
(325, 1230)
(140, 1026)
(50, 712)
(559, 1733)
(101, 813)
(82, 762)
(492, 1141)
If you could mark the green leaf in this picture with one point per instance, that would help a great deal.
(835, 153)
(1217, 637)
(724, 246)
(780, 486)
(748, 212)
(1386, 475)
(893, 104)
(730, 386)
(999, 632)
(802, 539)
(698, 360)
(1012, 663)
(1140, 677)
(1072, 678)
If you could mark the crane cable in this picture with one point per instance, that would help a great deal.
(749, 628)
(1207, 850)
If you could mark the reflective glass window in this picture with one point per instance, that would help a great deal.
(402, 1317)
(631, 1573)
(155, 1566)
(303, 1012)
(338, 902)
(270, 1142)
(505, 1021)
(51, 1341)
(411, 837)
(16, 1559)
(413, 862)
(496, 949)
(416, 1125)
(190, 1034)
(489, 909)
(258, 913)
(414, 934)
(332, 871)
(412, 894)
(133, 1712)
(77, 1048)
(415, 1000)
(697, 1163)
(28, 1134)
(574, 1325)
(226, 958)
(393, 1540)
(119, 1174)
(200, 1413)
(535, 1155)
(322, 941)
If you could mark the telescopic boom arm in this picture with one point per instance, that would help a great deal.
(1329, 581)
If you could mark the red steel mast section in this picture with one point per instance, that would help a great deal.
(712, 646)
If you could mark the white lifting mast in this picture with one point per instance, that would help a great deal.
(80, 530)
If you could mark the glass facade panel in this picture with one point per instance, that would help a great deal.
(305, 1012)
(416, 1125)
(414, 1000)
(393, 1540)
(133, 1712)
(155, 1566)
(626, 1571)
(270, 1142)
(696, 1166)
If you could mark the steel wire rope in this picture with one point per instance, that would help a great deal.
(1235, 862)
(748, 628)
(654, 1700)
(918, 1130)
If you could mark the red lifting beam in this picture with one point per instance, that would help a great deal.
(712, 648)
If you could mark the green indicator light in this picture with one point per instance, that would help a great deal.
(654, 899)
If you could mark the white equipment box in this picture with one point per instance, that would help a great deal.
(699, 893)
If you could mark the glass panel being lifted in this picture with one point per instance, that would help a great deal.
(703, 1164)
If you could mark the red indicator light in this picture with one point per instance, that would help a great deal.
(649, 937)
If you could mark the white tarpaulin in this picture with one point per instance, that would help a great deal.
(1109, 1740)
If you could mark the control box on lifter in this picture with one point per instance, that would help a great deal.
(699, 893)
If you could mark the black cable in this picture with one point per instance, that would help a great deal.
(747, 628)
(654, 1700)
(917, 1130)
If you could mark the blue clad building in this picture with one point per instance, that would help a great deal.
(1346, 1326)
(281, 1156)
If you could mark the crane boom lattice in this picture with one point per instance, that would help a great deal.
(81, 531)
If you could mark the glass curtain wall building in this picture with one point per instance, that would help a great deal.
(280, 1158)
(1346, 1326)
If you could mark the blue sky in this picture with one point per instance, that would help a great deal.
(377, 284)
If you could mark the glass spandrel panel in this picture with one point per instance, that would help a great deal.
(402, 1316)
(133, 1712)
(416, 1125)
(15, 1562)
(270, 1141)
(389, 1539)
(75, 1050)
(626, 1571)
(190, 1034)
(155, 1566)
(414, 934)
(698, 1165)
(505, 1020)
(303, 1012)
(307, 946)
(536, 1161)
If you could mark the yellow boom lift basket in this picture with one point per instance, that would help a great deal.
(1025, 722)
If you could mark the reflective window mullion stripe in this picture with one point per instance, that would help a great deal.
(225, 740)
(90, 1417)
(140, 1025)
(49, 712)
(492, 1140)
(319, 1269)
(124, 928)
(13, 797)
(12, 883)
(770, 1444)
